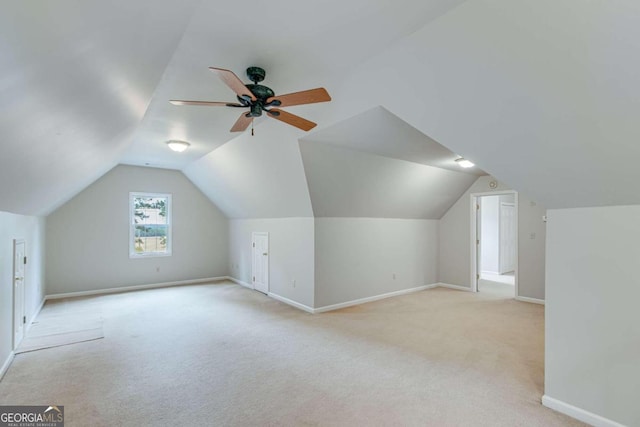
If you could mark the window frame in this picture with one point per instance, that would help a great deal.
(132, 251)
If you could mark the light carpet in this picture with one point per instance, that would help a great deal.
(221, 354)
(62, 324)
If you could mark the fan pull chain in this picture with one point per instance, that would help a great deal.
(251, 127)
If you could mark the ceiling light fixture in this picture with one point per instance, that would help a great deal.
(178, 146)
(464, 163)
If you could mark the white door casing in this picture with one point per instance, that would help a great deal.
(19, 261)
(260, 261)
(475, 234)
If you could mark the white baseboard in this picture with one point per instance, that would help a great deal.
(240, 282)
(577, 413)
(6, 364)
(274, 296)
(531, 300)
(291, 302)
(371, 299)
(134, 288)
(456, 287)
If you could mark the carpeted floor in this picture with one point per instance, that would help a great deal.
(221, 354)
(61, 324)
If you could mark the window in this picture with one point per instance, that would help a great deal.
(149, 224)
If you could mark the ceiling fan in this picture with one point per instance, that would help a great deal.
(259, 98)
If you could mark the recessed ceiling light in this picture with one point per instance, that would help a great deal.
(178, 146)
(464, 163)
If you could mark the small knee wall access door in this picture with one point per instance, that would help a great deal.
(260, 263)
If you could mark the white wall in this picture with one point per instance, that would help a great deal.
(258, 176)
(88, 237)
(454, 258)
(532, 232)
(357, 257)
(32, 230)
(290, 255)
(490, 234)
(592, 327)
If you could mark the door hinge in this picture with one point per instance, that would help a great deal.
(477, 277)
(477, 241)
(24, 319)
(477, 207)
(24, 260)
(254, 278)
(254, 245)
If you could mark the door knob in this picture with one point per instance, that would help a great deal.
(265, 254)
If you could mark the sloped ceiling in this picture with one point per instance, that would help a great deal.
(376, 165)
(348, 183)
(257, 176)
(76, 78)
(301, 45)
(378, 131)
(542, 95)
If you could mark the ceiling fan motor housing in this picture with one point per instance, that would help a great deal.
(262, 93)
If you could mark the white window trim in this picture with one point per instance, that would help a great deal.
(132, 251)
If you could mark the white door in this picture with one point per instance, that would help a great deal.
(507, 237)
(19, 260)
(261, 262)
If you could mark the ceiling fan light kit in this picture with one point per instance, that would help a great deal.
(259, 98)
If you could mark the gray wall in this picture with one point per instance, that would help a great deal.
(290, 255)
(357, 257)
(532, 232)
(32, 230)
(454, 259)
(592, 327)
(88, 237)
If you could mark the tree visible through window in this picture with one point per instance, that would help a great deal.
(150, 222)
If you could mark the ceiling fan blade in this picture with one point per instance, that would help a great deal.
(242, 123)
(233, 82)
(206, 103)
(310, 96)
(291, 119)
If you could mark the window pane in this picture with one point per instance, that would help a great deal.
(150, 210)
(150, 238)
(150, 224)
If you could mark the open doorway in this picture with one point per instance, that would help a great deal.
(495, 243)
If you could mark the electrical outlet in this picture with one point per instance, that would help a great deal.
(394, 276)
(532, 236)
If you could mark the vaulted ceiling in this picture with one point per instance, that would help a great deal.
(542, 95)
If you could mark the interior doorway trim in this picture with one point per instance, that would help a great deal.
(18, 285)
(474, 236)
